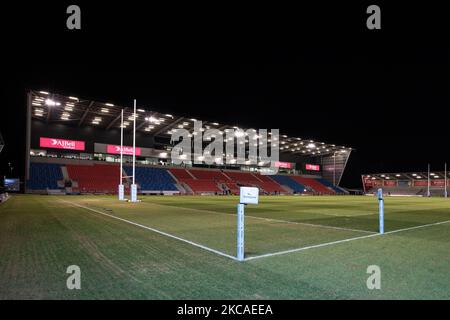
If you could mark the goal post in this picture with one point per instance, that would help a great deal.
(121, 187)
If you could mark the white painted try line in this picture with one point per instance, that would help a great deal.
(342, 241)
(154, 230)
(272, 220)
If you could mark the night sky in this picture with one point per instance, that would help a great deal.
(313, 72)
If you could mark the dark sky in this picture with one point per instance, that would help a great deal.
(313, 72)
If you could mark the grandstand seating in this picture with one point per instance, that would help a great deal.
(104, 178)
(328, 184)
(152, 179)
(290, 183)
(313, 184)
(243, 177)
(44, 176)
(232, 187)
(180, 174)
(99, 178)
(269, 185)
(202, 186)
(213, 175)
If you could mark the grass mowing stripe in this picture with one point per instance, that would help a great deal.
(154, 230)
(310, 247)
(418, 227)
(269, 219)
(342, 241)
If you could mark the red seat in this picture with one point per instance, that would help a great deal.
(313, 184)
(99, 178)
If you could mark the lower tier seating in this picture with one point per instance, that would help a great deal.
(313, 184)
(330, 185)
(152, 179)
(202, 186)
(290, 183)
(99, 178)
(44, 176)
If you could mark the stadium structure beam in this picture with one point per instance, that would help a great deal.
(115, 119)
(85, 113)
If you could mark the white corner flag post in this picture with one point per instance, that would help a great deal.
(428, 188)
(134, 186)
(248, 195)
(381, 206)
(121, 188)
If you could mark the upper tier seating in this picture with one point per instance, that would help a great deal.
(44, 176)
(314, 184)
(152, 179)
(290, 183)
(99, 178)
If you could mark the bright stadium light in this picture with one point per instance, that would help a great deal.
(43, 92)
(51, 103)
(109, 104)
(311, 145)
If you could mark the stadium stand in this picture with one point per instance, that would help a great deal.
(328, 184)
(214, 175)
(269, 185)
(290, 183)
(97, 178)
(152, 179)
(315, 185)
(180, 174)
(244, 178)
(44, 176)
(202, 186)
(103, 178)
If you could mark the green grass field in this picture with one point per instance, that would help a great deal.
(183, 248)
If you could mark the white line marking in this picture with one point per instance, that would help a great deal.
(312, 225)
(418, 227)
(342, 241)
(269, 219)
(154, 230)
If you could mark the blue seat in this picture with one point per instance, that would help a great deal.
(330, 185)
(153, 179)
(44, 176)
(291, 183)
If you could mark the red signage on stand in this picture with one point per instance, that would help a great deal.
(61, 144)
(128, 151)
(313, 167)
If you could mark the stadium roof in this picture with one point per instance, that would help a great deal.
(418, 175)
(50, 107)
